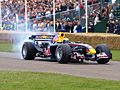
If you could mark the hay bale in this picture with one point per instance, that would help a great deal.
(112, 40)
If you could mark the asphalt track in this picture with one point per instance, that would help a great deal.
(13, 62)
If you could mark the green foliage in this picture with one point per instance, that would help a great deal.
(48, 81)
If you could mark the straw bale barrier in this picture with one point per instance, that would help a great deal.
(112, 40)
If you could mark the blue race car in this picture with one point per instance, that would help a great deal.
(42, 46)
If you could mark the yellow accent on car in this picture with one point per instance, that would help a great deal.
(92, 51)
(60, 39)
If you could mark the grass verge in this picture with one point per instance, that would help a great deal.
(8, 48)
(5, 47)
(116, 55)
(48, 81)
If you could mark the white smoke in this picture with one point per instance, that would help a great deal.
(19, 39)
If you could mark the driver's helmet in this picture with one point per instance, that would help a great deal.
(61, 34)
(66, 40)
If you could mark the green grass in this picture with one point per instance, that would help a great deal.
(48, 81)
(116, 55)
(8, 48)
(5, 47)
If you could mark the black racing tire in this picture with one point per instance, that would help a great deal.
(28, 51)
(63, 53)
(103, 48)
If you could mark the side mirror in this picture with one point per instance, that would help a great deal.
(32, 37)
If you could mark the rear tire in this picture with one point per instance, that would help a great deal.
(63, 54)
(103, 48)
(28, 51)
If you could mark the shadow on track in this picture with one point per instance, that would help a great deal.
(73, 63)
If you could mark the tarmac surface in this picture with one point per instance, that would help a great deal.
(13, 62)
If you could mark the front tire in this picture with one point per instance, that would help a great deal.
(103, 48)
(63, 53)
(28, 51)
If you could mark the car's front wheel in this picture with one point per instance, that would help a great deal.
(103, 48)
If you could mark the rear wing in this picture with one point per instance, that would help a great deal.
(42, 37)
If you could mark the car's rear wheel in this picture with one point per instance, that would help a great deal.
(103, 48)
(28, 51)
(63, 53)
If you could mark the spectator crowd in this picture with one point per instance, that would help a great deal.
(70, 14)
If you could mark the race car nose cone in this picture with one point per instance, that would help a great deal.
(92, 51)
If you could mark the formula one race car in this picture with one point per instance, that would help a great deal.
(42, 46)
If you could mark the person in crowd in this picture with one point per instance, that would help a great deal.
(75, 26)
(58, 26)
(91, 27)
(110, 26)
(117, 27)
(111, 15)
(51, 27)
(66, 27)
(97, 19)
(71, 24)
(63, 7)
(79, 27)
